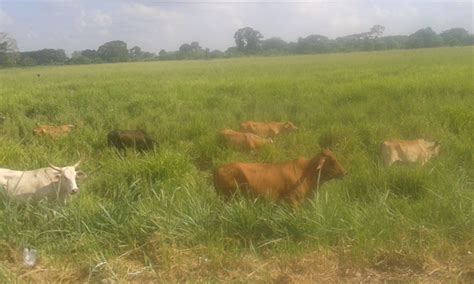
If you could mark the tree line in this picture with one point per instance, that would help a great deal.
(248, 41)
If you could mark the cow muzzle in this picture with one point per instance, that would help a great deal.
(74, 190)
(342, 175)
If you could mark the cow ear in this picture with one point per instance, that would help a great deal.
(80, 175)
(321, 163)
(56, 176)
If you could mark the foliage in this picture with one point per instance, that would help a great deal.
(44, 57)
(113, 51)
(7, 43)
(8, 50)
(424, 38)
(248, 40)
(456, 37)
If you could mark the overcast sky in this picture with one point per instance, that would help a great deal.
(155, 25)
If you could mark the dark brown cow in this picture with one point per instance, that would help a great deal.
(53, 131)
(137, 139)
(291, 181)
(267, 129)
(243, 141)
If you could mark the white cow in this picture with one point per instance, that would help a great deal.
(51, 183)
(408, 151)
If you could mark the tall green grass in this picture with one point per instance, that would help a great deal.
(159, 211)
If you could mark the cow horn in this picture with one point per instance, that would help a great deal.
(54, 167)
(80, 159)
(78, 163)
(321, 163)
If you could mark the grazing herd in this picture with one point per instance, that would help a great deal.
(290, 181)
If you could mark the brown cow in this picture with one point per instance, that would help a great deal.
(291, 181)
(53, 131)
(408, 151)
(243, 141)
(267, 129)
(137, 139)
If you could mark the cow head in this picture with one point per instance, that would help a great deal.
(434, 148)
(289, 126)
(67, 177)
(149, 143)
(329, 166)
(38, 131)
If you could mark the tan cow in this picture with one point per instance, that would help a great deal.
(408, 151)
(243, 141)
(51, 183)
(53, 131)
(290, 181)
(267, 129)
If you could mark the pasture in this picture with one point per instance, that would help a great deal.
(155, 216)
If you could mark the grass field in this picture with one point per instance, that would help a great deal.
(156, 216)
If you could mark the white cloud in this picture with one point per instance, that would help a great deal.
(149, 13)
(94, 20)
(5, 19)
(32, 35)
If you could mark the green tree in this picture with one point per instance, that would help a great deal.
(313, 44)
(46, 56)
(9, 55)
(424, 38)
(248, 40)
(191, 51)
(28, 61)
(376, 31)
(113, 51)
(135, 53)
(274, 45)
(455, 36)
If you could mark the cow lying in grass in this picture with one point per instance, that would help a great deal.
(53, 131)
(267, 129)
(136, 139)
(51, 183)
(243, 141)
(290, 181)
(408, 151)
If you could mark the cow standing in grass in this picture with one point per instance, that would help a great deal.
(51, 183)
(290, 181)
(136, 139)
